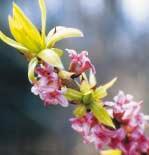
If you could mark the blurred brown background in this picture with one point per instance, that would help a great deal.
(117, 38)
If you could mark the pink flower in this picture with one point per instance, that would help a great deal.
(80, 62)
(93, 132)
(127, 113)
(48, 86)
(129, 135)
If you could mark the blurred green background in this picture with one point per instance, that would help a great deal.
(117, 38)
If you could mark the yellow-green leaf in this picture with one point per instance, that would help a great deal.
(20, 35)
(88, 98)
(80, 111)
(50, 57)
(52, 32)
(14, 31)
(109, 84)
(73, 95)
(58, 51)
(43, 17)
(27, 26)
(111, 152)
(85, 87)
(101, 114)
(62, 33)
(31, 70)
(13, 43)
(100, 93)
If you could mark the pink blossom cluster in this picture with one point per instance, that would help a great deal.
(56, 85)
(48, 86)
(129, 135)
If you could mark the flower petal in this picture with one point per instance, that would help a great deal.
(63, 101)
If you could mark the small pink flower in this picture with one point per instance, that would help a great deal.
(48, 86)
(54, 97)
(80, 62)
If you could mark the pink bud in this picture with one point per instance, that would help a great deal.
(80, 62)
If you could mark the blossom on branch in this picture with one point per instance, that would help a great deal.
(80, 63)
(94, 132)
(129, 135)
(119, 125)
(48, 86)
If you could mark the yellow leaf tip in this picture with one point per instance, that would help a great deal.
(114, 80)
(14, 4)
(1, 33)
(113, 126)
(110, 84)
